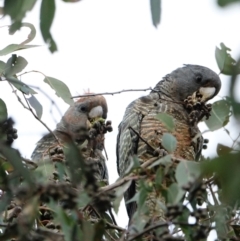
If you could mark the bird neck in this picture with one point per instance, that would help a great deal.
(165, 88)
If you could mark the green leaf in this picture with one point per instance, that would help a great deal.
(219, 115)
(186, 172)
(169, 142)
(46, 18)
(174, 193)
(225, 170)
(119, 195)
(236, 228)
(99, 229)
(15, 47)
(223, 3)
(13, 156)
(32, 34)
(61, 89)
(3, 111)
(17, 11)
(2, 67)
(36, 105)
(155, 11)
(226, 63)
(222, 149)
(83, 199)
(165, 161)
(167, 120)
(15, 65)
(21, 86)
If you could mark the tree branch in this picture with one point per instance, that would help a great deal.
(111, 93)
(30, 109)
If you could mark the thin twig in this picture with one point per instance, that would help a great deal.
(110, 236)
(118, 183)
(30, 162)
(111, 93)
(127, 178)
(39, 89)
(112, 216)
(112, 226)
(30, 109)
(213, 195)
(141, 138)
(158, 225)
(130, 90)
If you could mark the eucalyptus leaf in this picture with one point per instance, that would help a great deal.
(226, 63)
(3, 111)
(15, 47)
(17, 11)
(47, 13)
(223, 149)
(155, 6)
(36, 105)
(119, 195)
(169, 142)
(187, 171)
(174, 193)
(167, 120)
(21, 86)
(32, 33)
(2, 67)
(13, 156)
(61, 89)
(15, 64)
(166, 160)
(223, 3)
(219, 115)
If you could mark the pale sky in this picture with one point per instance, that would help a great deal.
(107, 46)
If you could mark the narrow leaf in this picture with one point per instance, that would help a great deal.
(2, 67)
(17, 11)
(223, 3)
(219, 115)
(164, 161)
(32, 34)
(15, 47)
(169, 142)
(46, 18)
(14, 158)
(61, 89)
(226, 63)
(36, 105)
(3, 111)
(174, 193)
(167, 120)
(155, 11)
(21, 86)
(187, 171)
(119, 195)
(222, 149)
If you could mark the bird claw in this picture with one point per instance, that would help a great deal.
(197, 109)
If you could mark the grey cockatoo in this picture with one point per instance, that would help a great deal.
(181, 94)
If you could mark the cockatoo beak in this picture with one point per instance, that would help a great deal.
(207, 93)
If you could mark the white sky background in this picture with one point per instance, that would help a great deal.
(107, 46)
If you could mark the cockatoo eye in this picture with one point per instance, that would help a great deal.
(199, 78)
(83, 108)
